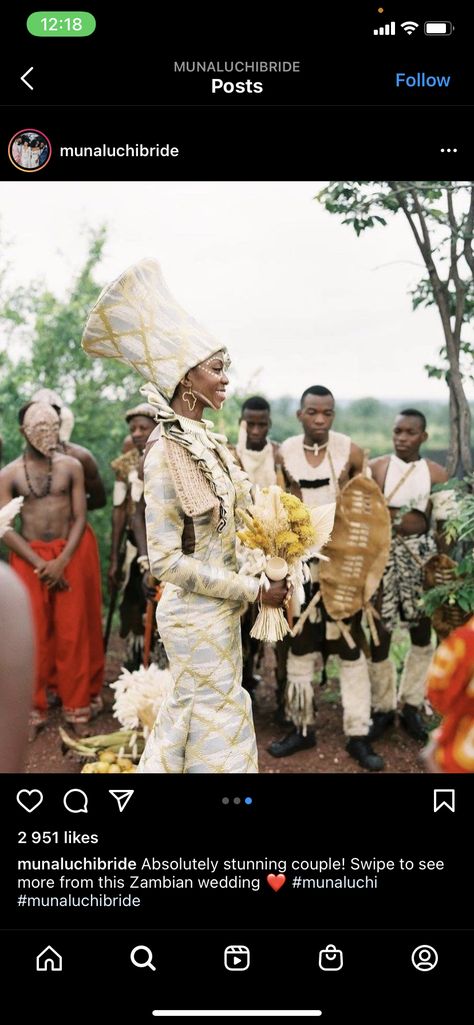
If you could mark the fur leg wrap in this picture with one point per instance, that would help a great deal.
(383, 681)
(413, 681)
(299, 692)
(355, 694)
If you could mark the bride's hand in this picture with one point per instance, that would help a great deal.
(278, 594)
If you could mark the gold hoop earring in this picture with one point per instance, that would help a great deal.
(187, 401)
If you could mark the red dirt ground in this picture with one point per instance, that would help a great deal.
(400, 752)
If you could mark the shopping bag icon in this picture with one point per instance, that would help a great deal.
(330, 959)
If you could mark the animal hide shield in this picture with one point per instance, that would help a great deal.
(358, 551)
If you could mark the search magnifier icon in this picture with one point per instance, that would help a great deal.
(148, 963)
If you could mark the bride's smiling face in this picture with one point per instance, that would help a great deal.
(209, 380)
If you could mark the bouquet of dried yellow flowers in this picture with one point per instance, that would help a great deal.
(280, 534)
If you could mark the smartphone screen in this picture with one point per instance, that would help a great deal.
(236, 514)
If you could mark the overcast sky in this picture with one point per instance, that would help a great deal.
(292, 292)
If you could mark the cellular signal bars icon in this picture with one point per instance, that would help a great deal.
(385, 30)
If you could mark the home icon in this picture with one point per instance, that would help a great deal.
(49, 961)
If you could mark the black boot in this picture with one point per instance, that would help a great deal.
(360, 749)
(381, 721)
(281, 719)
(412, 722)
(292, 743)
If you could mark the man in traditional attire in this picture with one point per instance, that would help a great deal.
(96, 499)
(259, 457)
(317, 464)
(256, 453)
(95, 491)
(406, 480)
(192, 489)
(50, 557)
(128, 524)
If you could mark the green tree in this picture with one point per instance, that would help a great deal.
(441, 218)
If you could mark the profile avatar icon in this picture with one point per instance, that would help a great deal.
(424, 958)
(29, 150)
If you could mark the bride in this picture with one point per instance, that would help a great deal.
(192, 489)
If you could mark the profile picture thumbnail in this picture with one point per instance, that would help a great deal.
(29, 150)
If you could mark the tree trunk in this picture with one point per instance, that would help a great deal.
(460, 455)
(465, 437)
(452, 462)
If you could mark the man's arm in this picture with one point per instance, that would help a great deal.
(139, 527)
(15, 542)
(95, 491)
(356, 460)
(379, 467)
(78, 510)
(279, 466)
(438, 473)
(52, 571)
(119, 524)
(441, 501)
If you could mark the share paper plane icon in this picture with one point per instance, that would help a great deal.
(122, 797)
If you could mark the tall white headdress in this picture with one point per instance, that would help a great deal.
(136, 320)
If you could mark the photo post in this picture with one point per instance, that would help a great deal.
(236, 521)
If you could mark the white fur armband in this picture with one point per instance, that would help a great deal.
(444, 504)
(120, 492)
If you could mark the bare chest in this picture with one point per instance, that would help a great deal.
(39, 482)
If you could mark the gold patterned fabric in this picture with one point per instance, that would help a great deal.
(137, 321)
(206, 724)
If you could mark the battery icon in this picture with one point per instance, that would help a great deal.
(438, 28)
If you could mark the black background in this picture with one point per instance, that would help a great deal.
(384, 816)
(329, 120)
(129, 58)
(308, 816)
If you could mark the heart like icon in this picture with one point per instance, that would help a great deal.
(276, 882)
(29, 799)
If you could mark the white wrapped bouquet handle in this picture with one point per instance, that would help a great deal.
(276, 568)
(270, 624)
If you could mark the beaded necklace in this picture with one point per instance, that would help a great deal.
(31, 489)
(315, 449)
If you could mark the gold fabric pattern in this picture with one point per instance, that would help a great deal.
(137, 321)
(206, 724)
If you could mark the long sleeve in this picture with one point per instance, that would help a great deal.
(165, 524)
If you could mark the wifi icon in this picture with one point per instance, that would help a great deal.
(409, 27)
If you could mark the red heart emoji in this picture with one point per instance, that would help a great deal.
(276, 882)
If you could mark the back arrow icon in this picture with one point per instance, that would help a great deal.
(24, 77)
